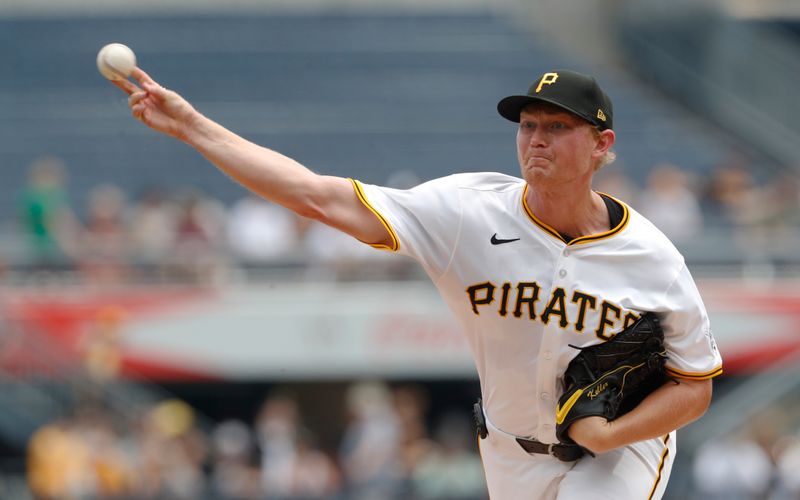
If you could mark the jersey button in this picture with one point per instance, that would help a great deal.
(548, 355)
(545, 396)
(562, 273)
(566, 252)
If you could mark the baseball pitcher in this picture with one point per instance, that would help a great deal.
(589, 335)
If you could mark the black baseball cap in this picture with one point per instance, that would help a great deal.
(580, 94)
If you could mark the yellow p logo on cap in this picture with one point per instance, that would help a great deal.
(547, 79)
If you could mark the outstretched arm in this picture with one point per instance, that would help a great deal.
(668, 408)
(267, 173)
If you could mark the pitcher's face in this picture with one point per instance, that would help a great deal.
(556, 146)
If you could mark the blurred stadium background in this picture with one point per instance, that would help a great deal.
(163, 335)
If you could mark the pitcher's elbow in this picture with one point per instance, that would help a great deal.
(704, 392)
(310, 210)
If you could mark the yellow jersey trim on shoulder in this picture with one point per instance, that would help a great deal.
(395, 246)
(694, 376)
(626, 216)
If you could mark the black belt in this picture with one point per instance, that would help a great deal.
(563, 452)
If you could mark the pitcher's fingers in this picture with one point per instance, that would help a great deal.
(137, 111)
(149, 84)
(126, 85)
(145, 80)
(136, 97)
(156, 90)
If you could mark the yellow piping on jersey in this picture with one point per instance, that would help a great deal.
(363, 198)
(583, 239)
(695, 376)
(660, 467)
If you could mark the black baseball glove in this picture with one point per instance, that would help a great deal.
(610, 379)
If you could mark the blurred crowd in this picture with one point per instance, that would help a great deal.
(182, 236)
(387, 450)
(387, 446)
(684, 205)
(757, 462)
(191, 236)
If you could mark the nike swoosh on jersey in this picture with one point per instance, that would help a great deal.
(499, 241)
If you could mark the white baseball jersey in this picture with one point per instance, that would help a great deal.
(522, 294)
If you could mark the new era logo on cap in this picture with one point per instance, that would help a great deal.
(577, 93)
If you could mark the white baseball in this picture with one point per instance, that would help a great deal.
(116, 61)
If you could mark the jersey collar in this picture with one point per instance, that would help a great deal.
(582, 239)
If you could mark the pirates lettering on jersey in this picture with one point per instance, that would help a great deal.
(608, 317)
(607, 309)
(556, 306)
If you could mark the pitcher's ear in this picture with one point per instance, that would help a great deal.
(605, 140)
